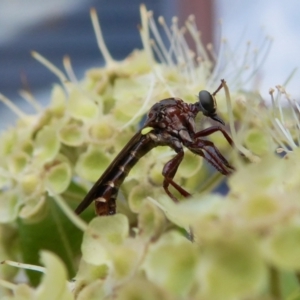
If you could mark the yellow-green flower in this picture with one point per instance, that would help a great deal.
(235, 245)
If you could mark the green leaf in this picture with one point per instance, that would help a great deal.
(54, 233)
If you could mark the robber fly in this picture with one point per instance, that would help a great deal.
(170, 122)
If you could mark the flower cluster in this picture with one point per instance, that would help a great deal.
(245, 243)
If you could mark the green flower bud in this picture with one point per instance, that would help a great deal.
(90, 272)
(18, 162)
(8, 142)
(101, 131)
(139, 288)
(82, 107)
(46, 145)
(93, 291)
(171, 263)
(27, 147)
(31, 183)
(9, 250)
(151, 220)
(259, 177)
(193, 212)
(72, 134)
(136, 63)
(102, 233)
(137, 196)
(58, 101)
(9, 206)
(282, 247)
(155, 174)
(258, 142)
(231, 269)
(261, 210)
(200, 181)
(190, 165)
(125, 259)
(58, 177)
(35, 209)
(134, 90)
(92, 163)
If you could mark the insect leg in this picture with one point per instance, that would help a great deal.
(169, 172)
(208, 151)
(212, 129)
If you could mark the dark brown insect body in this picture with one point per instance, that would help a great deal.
(172, 123)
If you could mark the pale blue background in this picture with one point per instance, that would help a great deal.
(279, 19)
(59, 27)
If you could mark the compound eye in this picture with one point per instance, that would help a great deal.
(207, 102)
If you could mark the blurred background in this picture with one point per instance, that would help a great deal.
(59, 27)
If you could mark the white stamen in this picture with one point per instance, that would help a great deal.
(100, 41)
(27, 96)
(285, 133)
(278, 103)
(219, 67)
(24, 266)
(8, 285)
(295, 118)
(50, 66)
(159, 41)
(144, 32)
(69, 70)
(192, 28)
(12, 107)
(188, 57)
(177, 47)
(157, 52)
(290, 77)
(166, 29)
(238, 145)
(143, 108)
